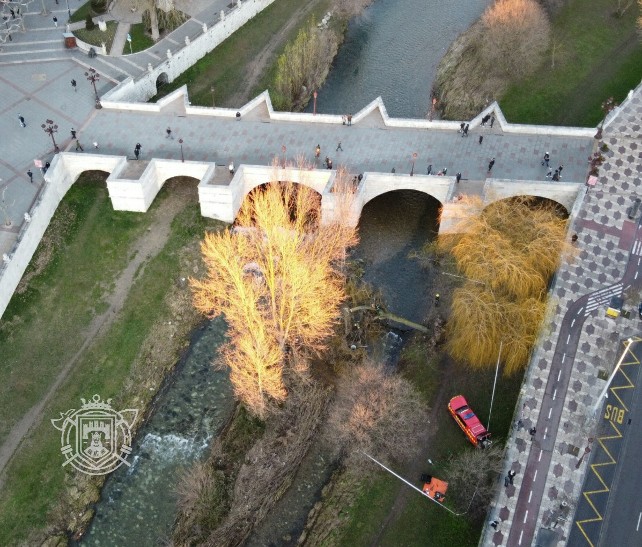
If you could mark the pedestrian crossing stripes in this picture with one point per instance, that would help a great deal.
(601, 297)
(637, 248)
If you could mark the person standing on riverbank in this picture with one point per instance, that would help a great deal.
(317, 151)
(481, 138)
(349, 120)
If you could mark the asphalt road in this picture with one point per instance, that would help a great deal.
(623, 518)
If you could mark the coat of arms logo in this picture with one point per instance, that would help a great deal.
(96, 439)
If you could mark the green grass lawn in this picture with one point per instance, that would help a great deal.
(38, 335)
(224, 67)
(140, 40)
(597, 55)
(422, 523)
(97, 37)
(81, 13)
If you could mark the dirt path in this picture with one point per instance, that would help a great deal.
(417, 465)
(255, 70)
(143, 250)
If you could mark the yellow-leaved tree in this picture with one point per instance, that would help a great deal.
(277, 278)
(508, 253)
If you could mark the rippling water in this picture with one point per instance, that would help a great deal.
(393, 50)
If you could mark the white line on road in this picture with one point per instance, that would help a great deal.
(559, 374)
(639, 261)
(636, 275)
(535, 475)
(579, 312)
(520, 537)
(525, 516)
(545, 432)
(572, 323)
(530, 495)
(549, 412)
(554, 394)
(540, 455)
(637, 528)
(568, 338)
(563, 357)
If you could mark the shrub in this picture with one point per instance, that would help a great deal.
(89, 22)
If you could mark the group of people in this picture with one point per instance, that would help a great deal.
(555, 176)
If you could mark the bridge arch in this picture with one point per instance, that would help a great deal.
(161, 80)
(561, 209)
(564, 194)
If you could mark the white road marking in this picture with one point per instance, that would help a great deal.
(540, 455)
(637, 528)
(545, 432)
(535, 475)
(559, 374)
(568, 338)
(549, 412)
(520, 537)
(530, 494)
(563, 357)
(525, 516)
(554, 394)
(572, 323)
(636, 275)
(639, 261)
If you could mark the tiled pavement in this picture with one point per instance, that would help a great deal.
(606, 244)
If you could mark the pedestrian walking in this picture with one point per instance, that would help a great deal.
(339, 147)
(74, 84)
(506, 482)
(317, 151)
(95, 145)
(137, 149)
(490, 164)
(485, 120)
(329, 164)
(21, 120)
(429, 170)
(465, 132)
(445, 170)
(532, 432)
(437, 298)
(549, 173)
(494, 524)
(458, 177)
(231, 167)
(461, 127)
(46, 167)
(511, 475)
(349, 119)
(546, 159)
(492, 121)
(559, 170)
(574, 238)
(556, 176)
(79, 146)
(481, 138)
(169, 133)
(55, 20)
(73, 133)
(30, 175)
(344, 119)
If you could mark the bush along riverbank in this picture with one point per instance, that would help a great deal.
(541, 72)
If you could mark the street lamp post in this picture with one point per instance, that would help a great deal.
(414, 159)
(94, 77)
(50, 128)
(180, 141)
(587, 450)
(68, 10)
(315, 95)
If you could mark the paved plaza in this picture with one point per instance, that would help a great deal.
(564, 378)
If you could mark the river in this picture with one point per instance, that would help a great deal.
(391, 50)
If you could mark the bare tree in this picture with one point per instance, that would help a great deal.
(377, 412)
(277, 280)
(471, 476)
(516, 34)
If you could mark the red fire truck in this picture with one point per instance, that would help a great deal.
(469, 422)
